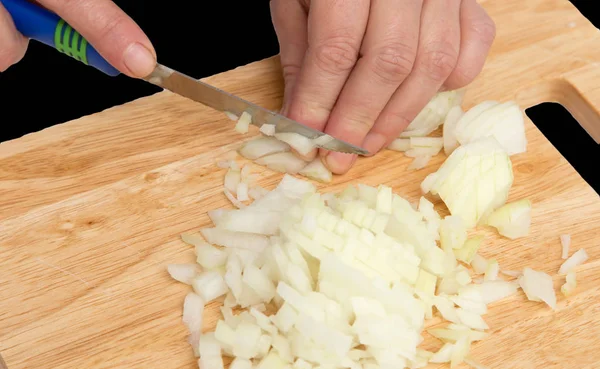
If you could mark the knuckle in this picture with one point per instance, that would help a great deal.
(358, 125)
(394, 62)
(439, 61)
(290, 71)
(111, 28)
(336, 55)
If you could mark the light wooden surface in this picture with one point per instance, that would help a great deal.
(91, 211)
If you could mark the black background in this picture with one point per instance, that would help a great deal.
(201, 38)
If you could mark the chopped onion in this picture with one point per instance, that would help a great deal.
(193, 308)
(400, 144)
(249, 241)
(208, 256)
(538, 286)
(512, 273)
(575, 260)
(317, 170)
(432, 116)
(232, 179)
(262, 146)
(419, 162)
(449, 137)
(570, 284)
(298, 142)
(209, 285)
(473, 181)
(257, 192)
(183, 273)
(242, 192)
(479, 264)
(513, 219)
(268, 129)
(503, 121)
(243, 123)
(492, 291)
(469, 249)
(491, 273)
(453, 233)
(210, 352)
(565, 241)
(285, 162)
(237, 203)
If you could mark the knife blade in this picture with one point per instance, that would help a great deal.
(215, 98)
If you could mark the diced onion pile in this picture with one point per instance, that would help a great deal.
(351, 279)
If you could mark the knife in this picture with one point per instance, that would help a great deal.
(41, 25)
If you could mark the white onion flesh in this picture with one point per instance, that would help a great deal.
(317, 170)
(400, 144)
(473, 181)
(503, 121)
(538, 286)
(285, 162)
(574, 261)
(183, 273)
(268, 129)
(301, 144)
(262, 146)
(565, 241)
(449, 136)
(193, 308)
(570, 284)
(512, 220)
(243, 123)
(432, 116)
(322, 140)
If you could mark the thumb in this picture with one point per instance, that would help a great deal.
(112, 32)
(290, 21)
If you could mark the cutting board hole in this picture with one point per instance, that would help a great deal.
(569, 138)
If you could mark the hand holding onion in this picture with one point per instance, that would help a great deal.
(362, 70)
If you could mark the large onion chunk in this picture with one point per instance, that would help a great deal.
(449, 136)
(262, 146)
(503, 121)
(317, 170)
(285, 162)
(473, 181)
(513, 219)
(298, 142)
(243, 123)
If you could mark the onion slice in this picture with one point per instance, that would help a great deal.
(262, 146)
(285, 162)
(267, 129)
(575, 260)
(243, 123)
(538, 286)
(301, 144)
(317, 170)
(565, 241)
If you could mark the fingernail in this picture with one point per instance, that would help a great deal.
(339, 162)
(374, 143)
(139, 60)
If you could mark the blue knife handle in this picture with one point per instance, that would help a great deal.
(41, 25)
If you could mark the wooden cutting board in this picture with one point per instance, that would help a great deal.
(91, 211)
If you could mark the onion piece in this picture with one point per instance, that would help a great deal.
(453, 233)
(249, 241)
(232, 179)
(574, 261)
(322, 140)
(512, 273)
(419, 162)
(400, 144)
(430, 118)
(262, 146)
(570, 284)
(193, 308)
(469, 249)
(317, 170)
(257, 192)
(301, 144)
(491, 273)
(209, 285)
(267, 129)
(479, 264)
(210, 352)
(242, 192)
(512, 220)
(285, 162)
(422, 151)
(237, 203)
(183, 273)
(503, 121)
(250, 221)
(449, 136)
(243, 123)
(565, 241)
(538, 286)
(473, 181)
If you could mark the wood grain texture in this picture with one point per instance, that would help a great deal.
(91, 211)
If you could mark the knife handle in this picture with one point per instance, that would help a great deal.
(41, 25)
